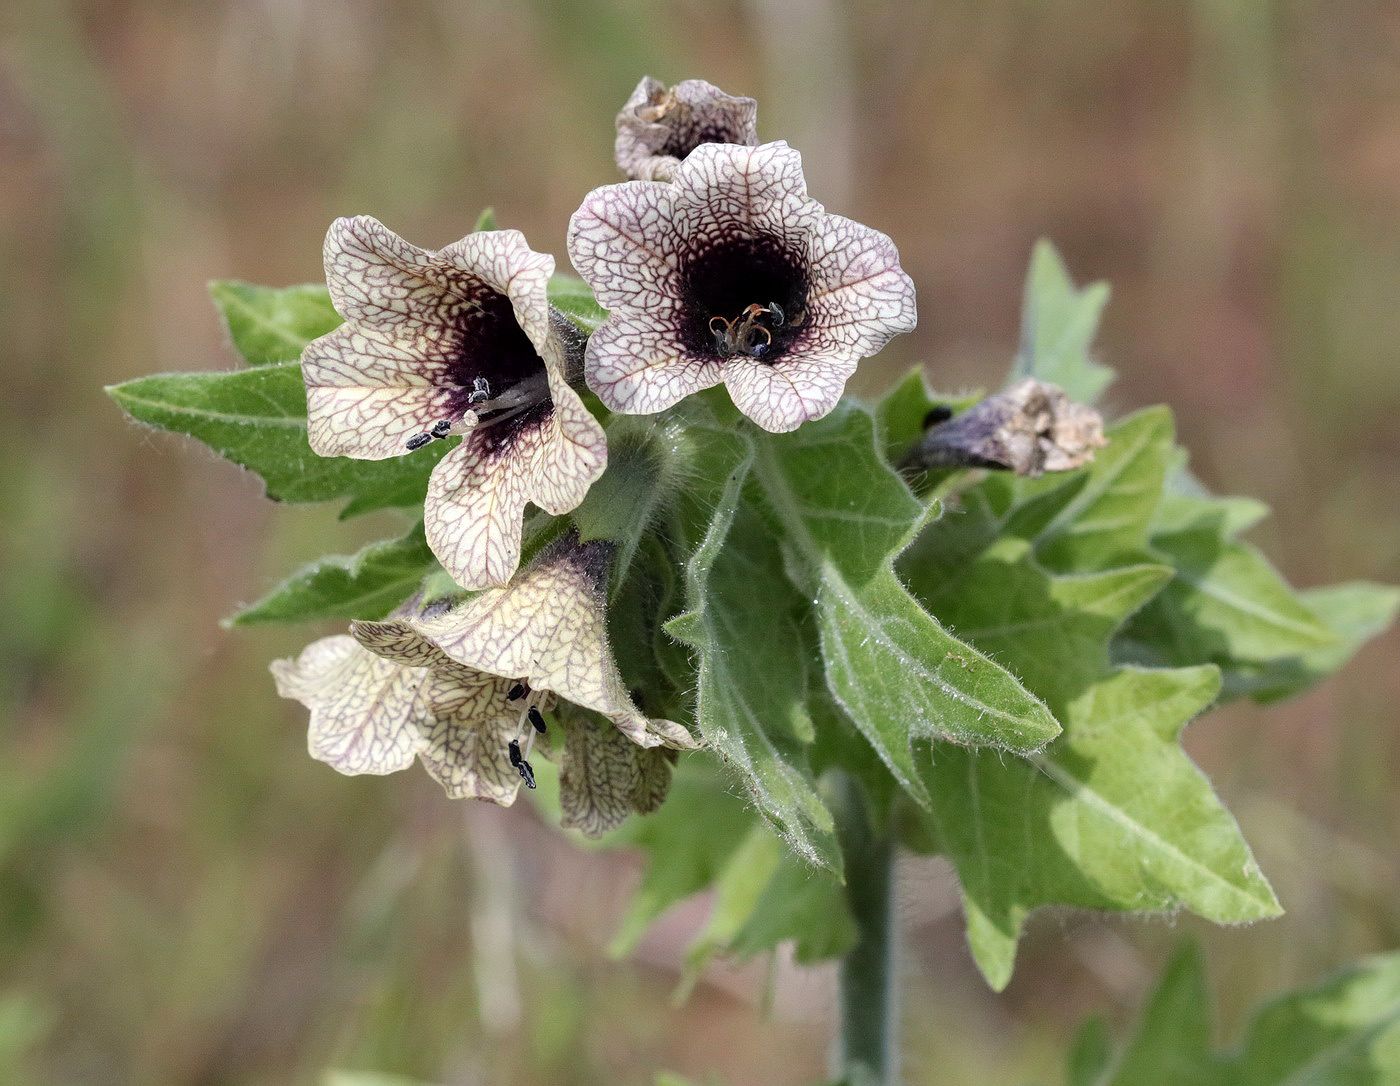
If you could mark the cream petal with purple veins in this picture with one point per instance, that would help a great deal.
(860, 297)
(603, 778)
(549, 628)
(732, 272)
(782, 396)
(364, 709)
(624, 233)
(470, 718)
(746, 193)
(458, 341)
(660, 126)
(478, 493)
(636, 365)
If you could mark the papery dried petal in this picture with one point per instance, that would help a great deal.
(660, 126)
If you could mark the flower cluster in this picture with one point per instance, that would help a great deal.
(715, 267)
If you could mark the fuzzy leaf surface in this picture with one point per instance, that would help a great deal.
(1343, 1031)
(765, 896)
(257, 418)
(367, 584)
(1227, 605)
(572, 297)
(897, 672)
(742, 619)
(1112, 815)
(273, 324)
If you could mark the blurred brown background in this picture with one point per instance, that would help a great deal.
(186, 898)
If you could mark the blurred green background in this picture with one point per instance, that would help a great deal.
(186, 898)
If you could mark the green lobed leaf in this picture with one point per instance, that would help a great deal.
(1227, 604)
(898, 673)
(1058, 324)
(572, 297)
(367, 585)
(1354, 612)
(743, 621)
(273, 324)
(1344, 1031)
(1112, 815)
(257, 418)
(1101, 514)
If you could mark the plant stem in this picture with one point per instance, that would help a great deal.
(868, 1053)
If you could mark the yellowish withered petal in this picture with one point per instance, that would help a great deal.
(365, 710)
(603, 778)
(469, 718)
(548, 626)
(469, 727)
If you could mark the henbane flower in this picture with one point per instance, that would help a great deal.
(732, 273)
(460, 341)
(659, 126)
(547, 629)
(372, 714)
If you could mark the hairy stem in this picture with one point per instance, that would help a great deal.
(867, 1053)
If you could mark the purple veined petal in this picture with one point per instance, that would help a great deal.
(549, 626)
(504, 261)
(467, 719)
(377, 278)
(573, 458)
(367, 394)
(476, 498)
(637, 365)
(723, 190)
(621, 241)
(860, 298)
(783, 395)
(363, 708)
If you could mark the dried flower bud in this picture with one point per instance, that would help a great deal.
(1029, 428)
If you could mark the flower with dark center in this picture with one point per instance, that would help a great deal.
(547, 630)
(732, 273)
(457, 342)
(659, 126)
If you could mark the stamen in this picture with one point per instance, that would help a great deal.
(481, 390)
(537, 719)
(441, 429)
(526, 771)
(759, 349)
(740, 336)
(516, 692)
(534, 389)
(417, 441)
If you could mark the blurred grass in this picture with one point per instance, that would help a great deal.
(186, 898)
